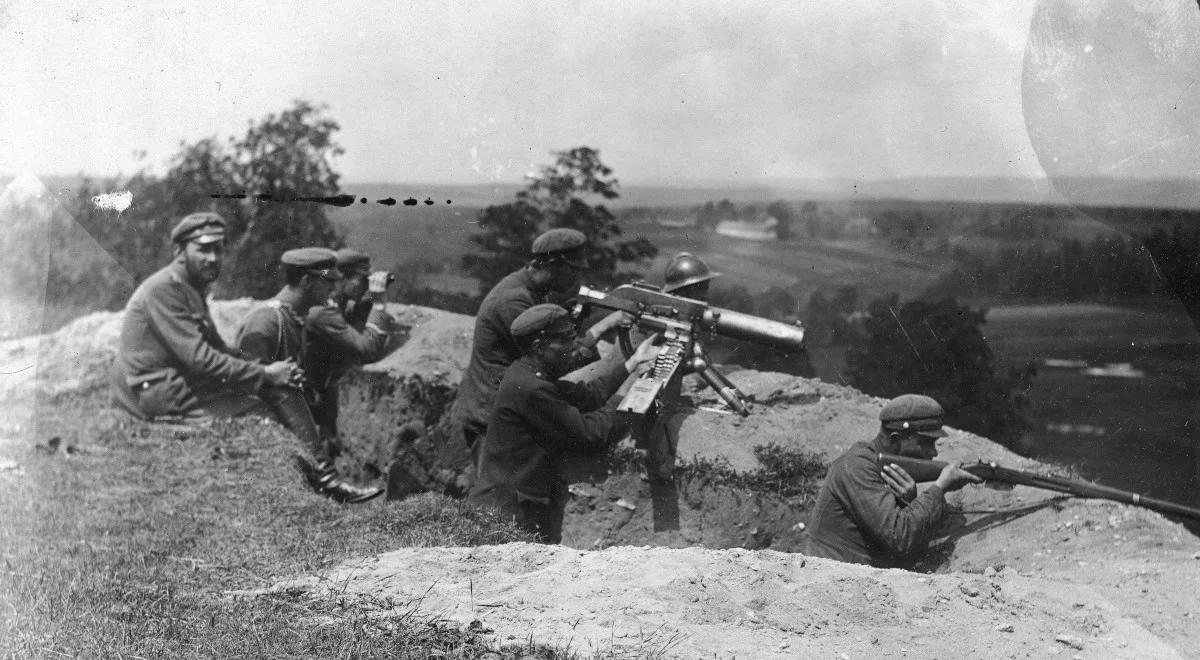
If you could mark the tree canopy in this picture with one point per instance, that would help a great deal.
(558, 195)
(937, 349)
(283, 156)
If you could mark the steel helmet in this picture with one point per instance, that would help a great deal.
(686, 269)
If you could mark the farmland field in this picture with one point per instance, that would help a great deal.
(1133, 433)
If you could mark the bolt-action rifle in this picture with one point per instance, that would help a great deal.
(923, 470)
(683, 322)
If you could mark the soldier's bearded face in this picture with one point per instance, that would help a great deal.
(353, 287)
(203, 260)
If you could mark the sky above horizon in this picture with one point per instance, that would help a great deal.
(670, 92)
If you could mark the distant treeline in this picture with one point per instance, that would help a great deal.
(1113, 269)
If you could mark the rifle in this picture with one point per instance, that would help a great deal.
(682, 321)
(923, 470)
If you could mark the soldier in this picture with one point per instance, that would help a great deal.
(686, 276)
(171, 364)
(276, 331)
(538, 417)
(345, 331)
(867, 515)
(557, 260)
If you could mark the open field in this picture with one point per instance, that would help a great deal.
(1132, 433)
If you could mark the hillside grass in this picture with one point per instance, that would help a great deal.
(128, 540)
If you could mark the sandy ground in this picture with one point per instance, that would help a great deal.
(1020, 573)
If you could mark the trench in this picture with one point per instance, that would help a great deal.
(398, 429)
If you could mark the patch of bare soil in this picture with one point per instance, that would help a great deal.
(1019, 573)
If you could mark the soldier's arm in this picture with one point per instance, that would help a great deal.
(179, 325)
(903, 530)
(366, 345)
(258, 338)
(591, 394)
(556, 420)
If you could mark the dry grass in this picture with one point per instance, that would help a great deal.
(128, 546)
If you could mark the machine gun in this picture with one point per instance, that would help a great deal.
(682, 322)
(923, 470)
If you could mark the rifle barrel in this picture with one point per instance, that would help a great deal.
(923, 470)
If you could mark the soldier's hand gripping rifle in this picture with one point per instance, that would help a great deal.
(923, 470)
(683, 322)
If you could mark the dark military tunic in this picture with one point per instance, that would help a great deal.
(339, 337)
(535, 422)
(171, 361)
(272, 332)
(858, 519)
(493, 349)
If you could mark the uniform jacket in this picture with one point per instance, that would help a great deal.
(338, 339)
(493, 348)
(857, 519)
(169, 348)
(272, 332)
(536, 420)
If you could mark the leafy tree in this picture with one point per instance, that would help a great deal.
(937, 349)
(281, 157)
(783, 212)
(558, 196)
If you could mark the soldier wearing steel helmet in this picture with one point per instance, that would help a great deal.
(865, 514)
(688, 276)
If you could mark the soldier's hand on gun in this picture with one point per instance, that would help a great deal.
(954, 477)
(899, 482)
(379, 281)
(281, 373)
(646, 352)
(610, 323)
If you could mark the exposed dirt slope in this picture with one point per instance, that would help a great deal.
(1020, 573)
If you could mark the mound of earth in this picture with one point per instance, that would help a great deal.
(1017, 573)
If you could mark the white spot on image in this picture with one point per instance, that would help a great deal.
(114, 201)
(1088, 48)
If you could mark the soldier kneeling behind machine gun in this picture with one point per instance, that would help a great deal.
(682, 322)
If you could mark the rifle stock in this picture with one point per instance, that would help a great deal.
(923, 470)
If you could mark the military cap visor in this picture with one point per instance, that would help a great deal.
(545, 320)
(561, 244)
(353, 262)
(316, 260)
(913, 412)
(199, 227)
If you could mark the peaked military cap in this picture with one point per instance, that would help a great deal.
(319, 260)
(545, 319)
(203, 227)
(913, 412)
(561, 244)
(352, 261)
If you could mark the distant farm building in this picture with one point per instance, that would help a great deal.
(859, 227)
(761, 228)
(675, 222)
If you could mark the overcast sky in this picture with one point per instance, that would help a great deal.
(473, 92)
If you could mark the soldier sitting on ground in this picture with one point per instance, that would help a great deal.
(538, 417)
(171, 364)
(275, 331)
(865, 514)
(346, 331)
